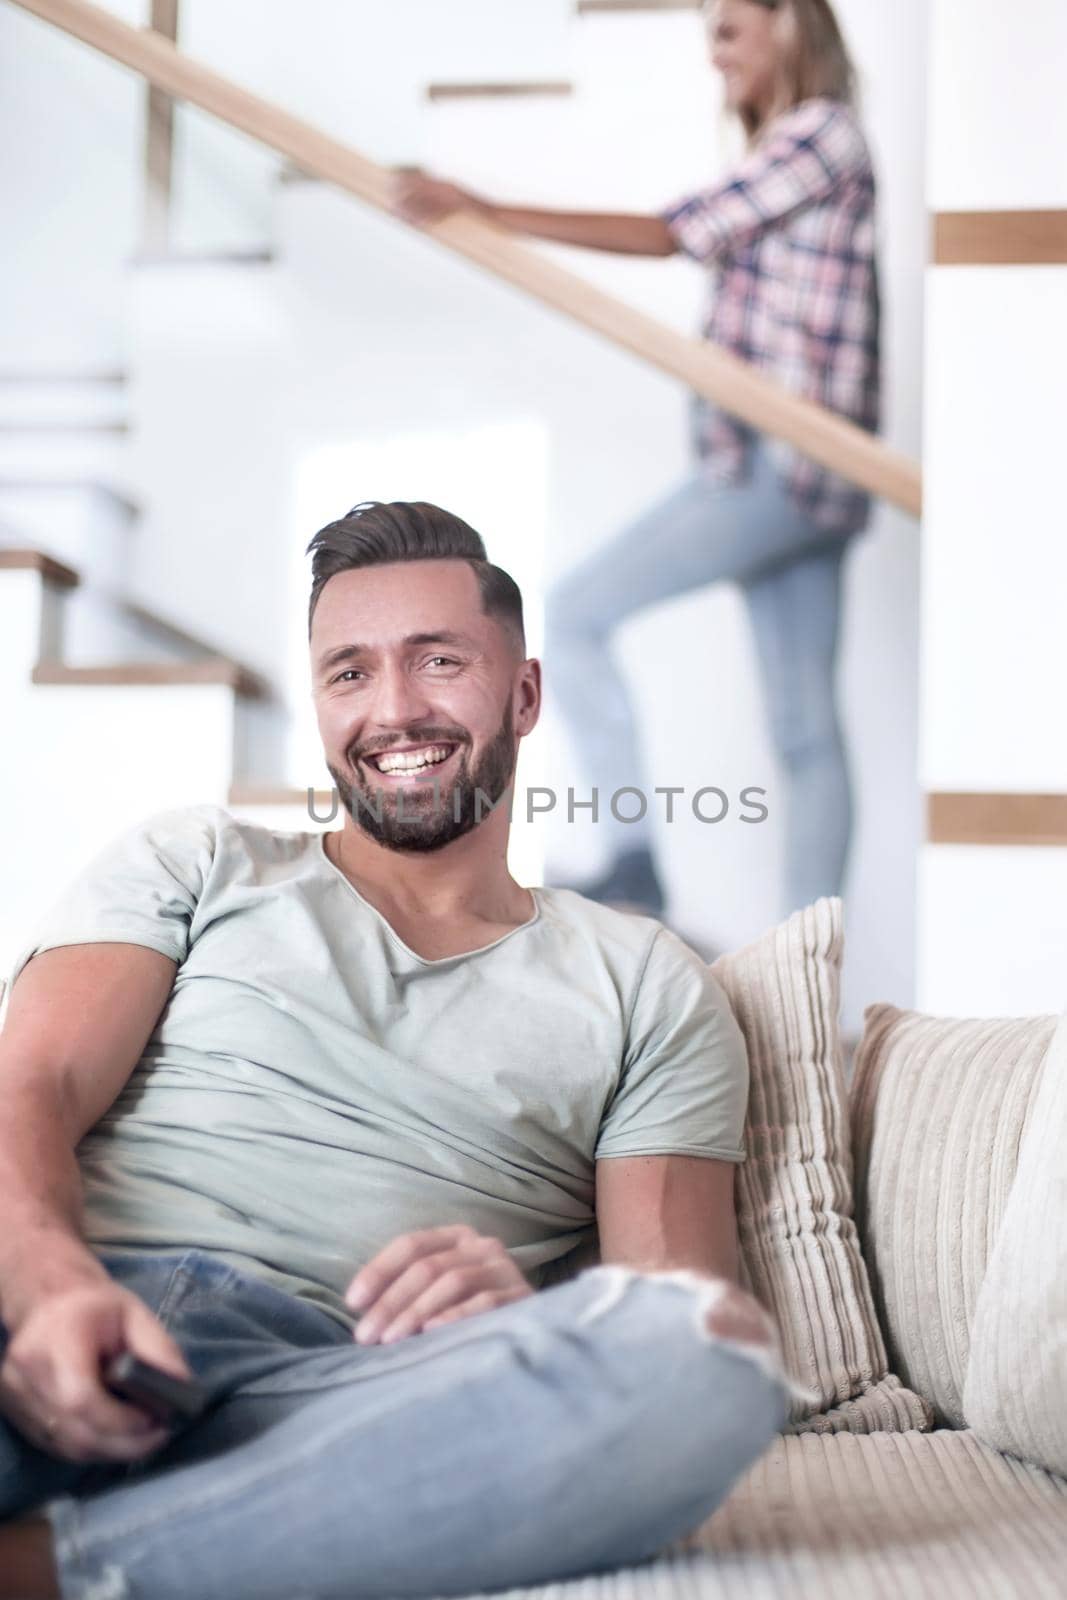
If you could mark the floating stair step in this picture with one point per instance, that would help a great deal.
(585, 6)
(202, 258)
(52, 425)
(63, 402)
(44, 379)
(496, 91)
(1000, 238)
(11, 484)
(214, 669)
(1005, 819)
(36, 561)
(276, 794)
(198, 660)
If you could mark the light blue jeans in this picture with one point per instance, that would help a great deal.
(581, 1429)
(789, 572)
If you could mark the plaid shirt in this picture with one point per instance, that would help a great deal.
(790, 236)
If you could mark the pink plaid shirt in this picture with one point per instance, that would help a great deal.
(790, 237)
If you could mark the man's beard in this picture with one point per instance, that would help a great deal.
(428, 815)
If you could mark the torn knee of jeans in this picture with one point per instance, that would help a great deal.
(717, 1318)
(110, 1585)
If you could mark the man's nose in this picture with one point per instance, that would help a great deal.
(398, 699)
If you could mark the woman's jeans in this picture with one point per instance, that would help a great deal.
(580, 1429)
(789, 571)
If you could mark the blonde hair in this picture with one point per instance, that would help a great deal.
(815, 62)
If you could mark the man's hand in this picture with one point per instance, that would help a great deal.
(51, 1385)
(425, 1279)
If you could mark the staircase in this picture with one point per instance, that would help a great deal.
(97, 747)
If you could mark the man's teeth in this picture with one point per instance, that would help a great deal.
(412, 760)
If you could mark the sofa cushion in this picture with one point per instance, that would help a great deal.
(938, 1110)
(799, 1248)
(1015, 1396)
(890, 1514)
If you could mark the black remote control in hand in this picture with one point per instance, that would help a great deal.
(163, 1397)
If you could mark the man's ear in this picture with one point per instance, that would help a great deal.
(528, 697)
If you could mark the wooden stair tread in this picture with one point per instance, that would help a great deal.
(64, 425)
(212, 669)
(1007, 819)
(210, 665)
(202, 258)
(496, 91)
(276, 794)
(41, 378)
(53, 571)
(638, 5)
(202, 649)
(1000, 238)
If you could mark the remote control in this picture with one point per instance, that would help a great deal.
(165, 1398)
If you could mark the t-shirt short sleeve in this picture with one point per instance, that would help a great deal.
(683, 1087)
(142, 888)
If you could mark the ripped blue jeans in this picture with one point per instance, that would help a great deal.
(581, 1429)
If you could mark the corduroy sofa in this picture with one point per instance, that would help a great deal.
(909, 1233)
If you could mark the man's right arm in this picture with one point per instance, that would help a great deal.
(78, 1019)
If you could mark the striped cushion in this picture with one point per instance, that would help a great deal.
(938, 1109)
(1015, 1395)
(894, 1514)
(800, 1252)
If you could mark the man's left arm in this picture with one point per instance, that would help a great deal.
(653, 1213)
(660, 1212)
(672, 1134)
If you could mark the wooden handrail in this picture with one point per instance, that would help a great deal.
(723, 378)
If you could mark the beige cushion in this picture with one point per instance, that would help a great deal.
(800, 1252)
(1015, 1396)
(938, 1110)
(894, 1515)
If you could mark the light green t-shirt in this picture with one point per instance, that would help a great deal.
(314, 1088)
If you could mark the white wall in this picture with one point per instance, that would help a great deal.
(71, 130)
(84, 762)
(358, 69)
(998, 120)
(994, 656)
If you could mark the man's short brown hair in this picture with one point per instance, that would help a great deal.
(376, 533)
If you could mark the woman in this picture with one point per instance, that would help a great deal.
(789, 238)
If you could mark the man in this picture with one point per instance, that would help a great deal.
(309, 1116)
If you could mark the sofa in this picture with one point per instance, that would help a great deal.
(907, 1229)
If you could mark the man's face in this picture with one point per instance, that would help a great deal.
(421, 699)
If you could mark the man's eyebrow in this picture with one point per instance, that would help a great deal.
(351, 652)
(442, 636)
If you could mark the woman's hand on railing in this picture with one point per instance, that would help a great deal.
(423, 200)
(419, 198)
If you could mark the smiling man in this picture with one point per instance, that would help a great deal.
(311, 1116)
